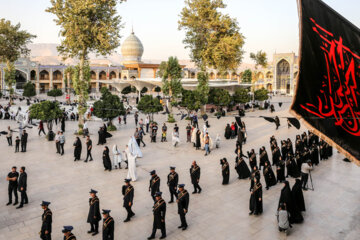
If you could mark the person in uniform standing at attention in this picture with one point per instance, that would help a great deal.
(12, 177)
(128, 192)
(22, 187)
(108, 225)
(88, 149)
(24, 138)
(173, 179)
(195, 177)
(45, 232)
(94, 213)
(68, 234)
(154, 186)
(183, 204)
(159, 210)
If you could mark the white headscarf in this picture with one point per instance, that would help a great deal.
(134, 148)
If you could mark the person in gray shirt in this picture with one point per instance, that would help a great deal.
(283, 218)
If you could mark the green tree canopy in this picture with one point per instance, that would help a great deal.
(171, 73)
(190, 100)
(29, 90)
(259, 58)
(219, 97)
(109, 106)
(241, 95)
(149, 105)
(261, 94)
(55, 93)
(126, 90)
(202, 88)
(46, 111)
(247, 76)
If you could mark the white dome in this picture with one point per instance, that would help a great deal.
(132, 49)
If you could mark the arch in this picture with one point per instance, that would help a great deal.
(283, 76)
(269, 87)
(192, 75)
(218, 75)
(44, 75)
(92, 75)
(32, 75)
(212, 75)
(20, 78)
(102, 75)
(269, 75)
(260, 76)
(112, 75)
(234, 76)
(57, 75)
(125, 78)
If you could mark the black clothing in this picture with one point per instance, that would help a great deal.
(298, 195)
(256, 204)
(252, 160)
(106, 160)
(195, 177)
(198, 143)
(263, 158)
(46, 225)
(287, 198)
(22, 186)
(227, 134)
(276, 155)
(269, 176)
(77, 149)
(225, 172)
(94, 214)
(172, 182)
(88, 151)
(108, 229)
(254, 174)
(13, 185)
(154, 185)
(280, 171)
(71, 237)
(159, 210)
(292, 168)
(24, 138)
(183, 205)
(17, 145)
(241, 168)
(128, 193)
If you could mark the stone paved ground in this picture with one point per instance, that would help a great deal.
(219, 212)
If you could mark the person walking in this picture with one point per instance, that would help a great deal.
(9, 136)
(41, 128)
(88, 149)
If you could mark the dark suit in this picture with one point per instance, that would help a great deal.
(24, 138)
(46, 225)
(22, 185)
(183, 204)
(128, 192)
(94, 214)
(154, 186)
(108, 229)
(159, 210)
(173, 179)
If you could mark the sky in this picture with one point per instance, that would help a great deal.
(268, 25)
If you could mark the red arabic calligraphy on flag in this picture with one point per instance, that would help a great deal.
(338, 95)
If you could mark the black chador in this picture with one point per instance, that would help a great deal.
(242, 168)
(172, 182)
(273, 142)
(287, 198)
(263, 157)
(256, 204)
(183, 205)
(254, 174)
(227, 134)
(314, 154)
(283, 149)
(289, 147)
(128, 193)
(195, 177)
(252, 158)
(291, 167)
(280, 171)
(276, 155)
(269, 176)
(77, 149)
(225, 170)
(159, 211)
(46, 217)
(108, 228)
(198, 141)
(94, 214)
(299, 146)
(154, 186)
(299, 160)
(298, 195)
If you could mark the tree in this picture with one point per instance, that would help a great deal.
(13, 44)
(247, 76)
(29, 90)
(202, 88)
(46, 111)
(261, 94)
(150, 105)
(55, 93)
(190, 100)
(259, 58)
(68, 75)
(126, 90)
(241, 95)
(157, 89)
(86, 26)
(219, 97)
(109, 106)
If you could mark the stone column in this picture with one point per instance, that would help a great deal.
(51, 79)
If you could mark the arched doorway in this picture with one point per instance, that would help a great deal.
(112, 75)
(283, 76)
(33, 75)
(20, 78)
(102, 75)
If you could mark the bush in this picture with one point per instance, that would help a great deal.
(111, 128)
(171, 118)
(187, 118)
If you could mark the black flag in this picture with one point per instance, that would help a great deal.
(294, 122)
(327, 96)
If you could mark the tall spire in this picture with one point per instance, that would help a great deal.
(132, 28)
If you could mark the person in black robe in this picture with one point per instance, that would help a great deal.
(63, 124)
(289, 147)
(94, 213)
(256, 203)
(195, 177)
(299, 146)
(276, 155)
(291, 167)
(283, 149)
(280, 170)
(159, 211)
(273, 142)
(108, 226)
(263, 157)
(154, 185)
(106, 159)
(77, 149)
(225, 170)
(198, 142)
(305, 139)
(277, 122)
(252, 158)
(241, 167)
(183, 205)
(314, 154)
(227, 131)
(287, 198)
(101, 134)
(269, 176)
(128, 193)
(255, 173)
(236, 128)
(298, 159)
(298, 195)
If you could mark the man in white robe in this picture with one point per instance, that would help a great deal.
(132, 151)
(117, 157)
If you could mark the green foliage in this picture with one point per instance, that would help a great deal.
(10, 76)
(109, 106)
(247, 76)
(259, 58)
(29, 90)
(261, 94)
(144, 90)
(171, 118)
(81, 86)
(190, 100)
(202, 89)
(126, 90)
(219, 97)
(111, 128)
(45, 111)
(149, 104)
(55, 93)
(213, 38)
(241, 95)
(171, 73)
